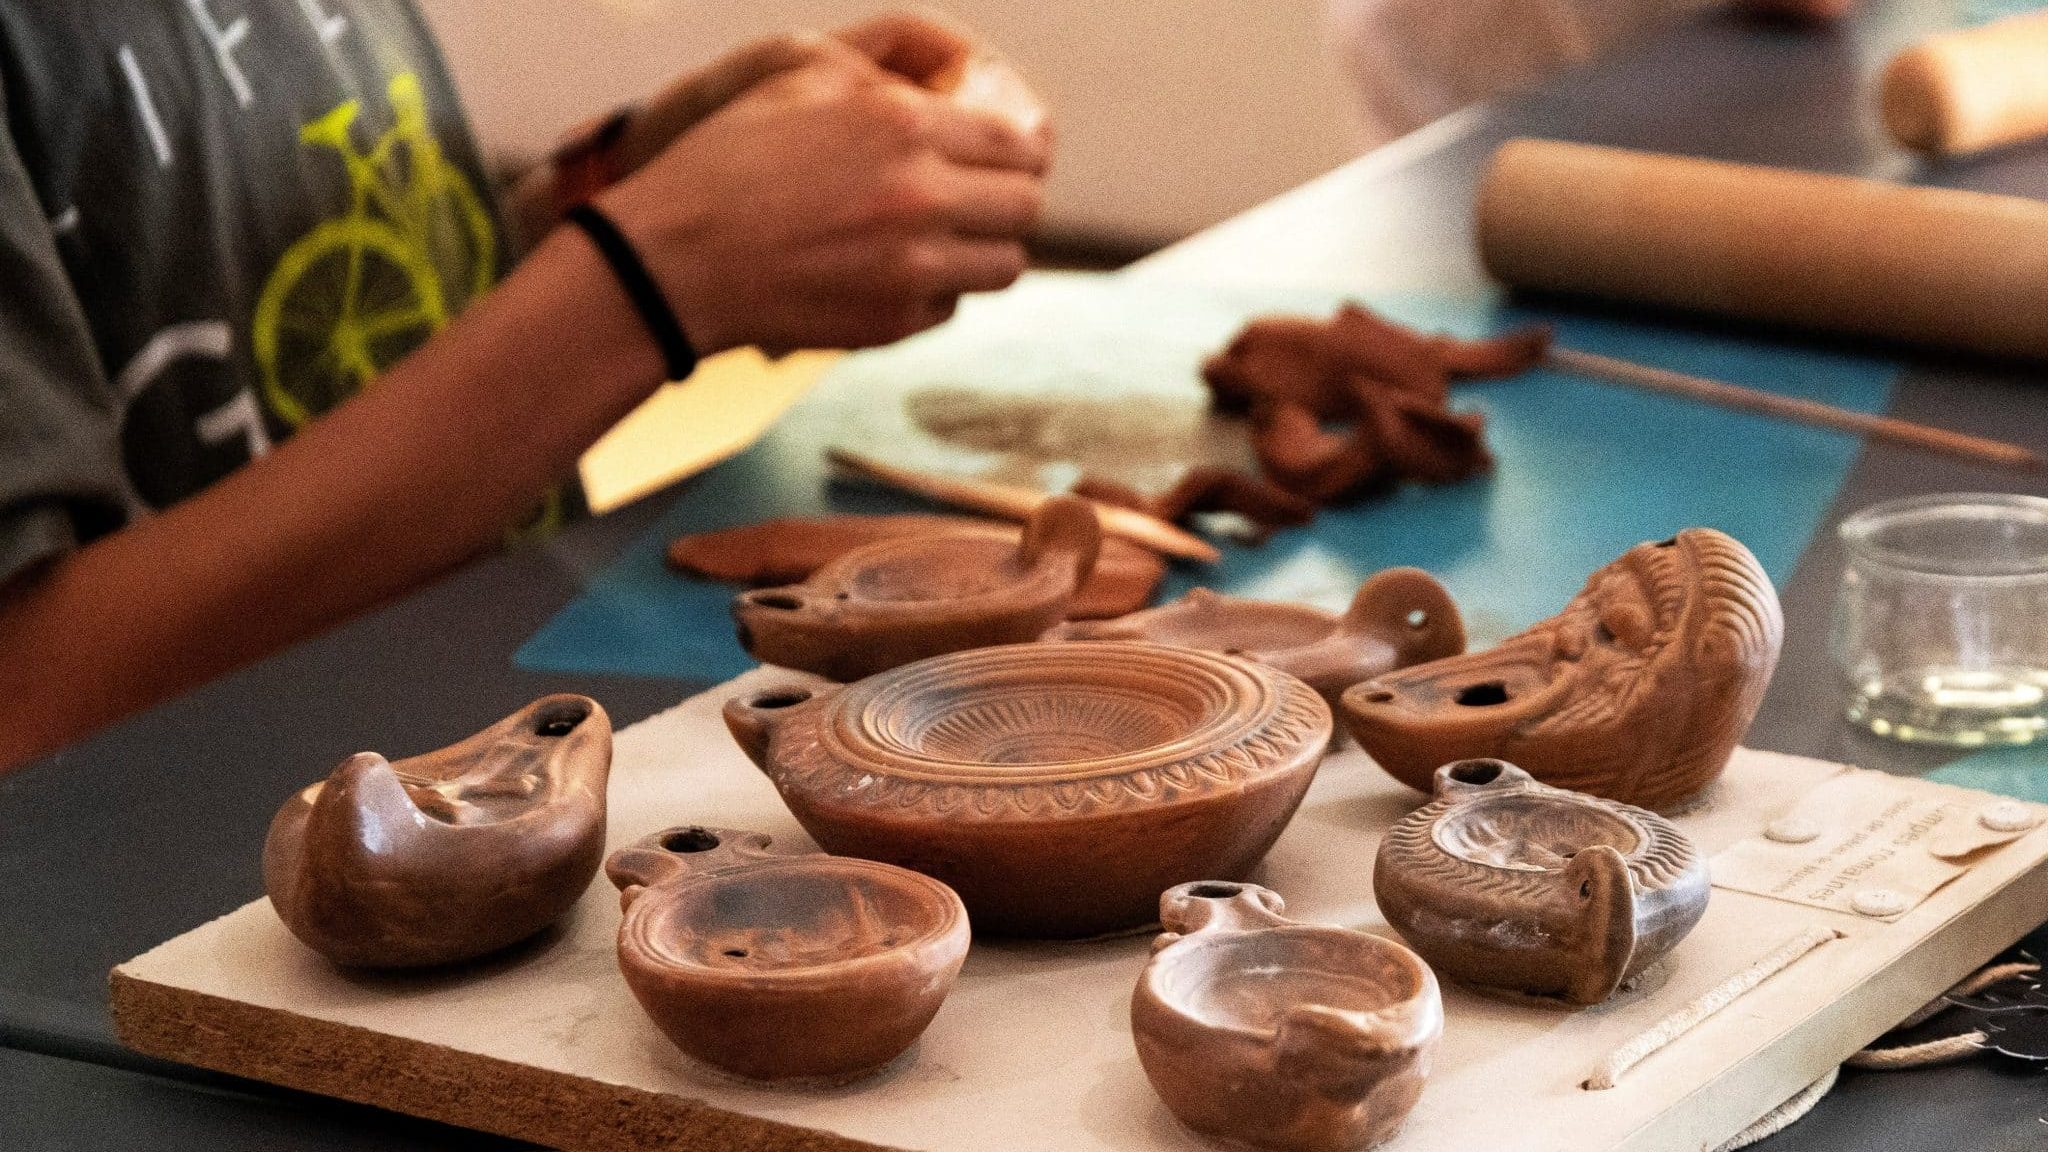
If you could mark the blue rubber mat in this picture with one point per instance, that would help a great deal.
(1585, 469)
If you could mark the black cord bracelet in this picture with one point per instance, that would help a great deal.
(679, 357)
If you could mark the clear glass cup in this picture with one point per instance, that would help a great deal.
(1941, 628)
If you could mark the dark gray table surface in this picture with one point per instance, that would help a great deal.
(153, 827)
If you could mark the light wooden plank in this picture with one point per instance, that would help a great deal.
(1033, 1050)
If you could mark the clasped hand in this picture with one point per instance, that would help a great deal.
(825, 192)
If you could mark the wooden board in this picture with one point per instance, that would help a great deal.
(1033, 1049)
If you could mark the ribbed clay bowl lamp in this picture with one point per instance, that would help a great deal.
(1059, 788)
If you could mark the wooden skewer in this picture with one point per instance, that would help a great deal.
(1013, 503)
(1613, 371)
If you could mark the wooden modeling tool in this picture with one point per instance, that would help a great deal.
(1010, 502)
(1935, 266)
(1970, 90)
(1886, 428)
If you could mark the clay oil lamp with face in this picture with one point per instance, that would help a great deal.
(1397, 618)
(1059, 788)
(896, 601)
(1262, 1032)
(1638, 691)
(783, 967)
(1511, 886)
(451, 855)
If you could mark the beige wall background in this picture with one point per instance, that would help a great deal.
(1172, 114)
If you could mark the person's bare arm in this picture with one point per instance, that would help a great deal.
(831, 206)
(405, 480)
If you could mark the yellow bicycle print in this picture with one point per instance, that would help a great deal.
(360, 291)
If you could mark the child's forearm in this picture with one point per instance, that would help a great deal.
(426, 467)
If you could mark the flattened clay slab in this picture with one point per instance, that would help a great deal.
(788, 550)
(1638, 691)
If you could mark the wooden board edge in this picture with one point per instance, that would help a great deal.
(435, 1082)
(1725, 1105)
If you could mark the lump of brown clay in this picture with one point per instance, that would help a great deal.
(788, 550)
(1394, 438)
(1267, 1033)
(894, 602)
(1398, 617)
(1638, 691)
(783, 967)
(1512, 886)
(1058, 788)
(451, 855)
(1387, 385)
(1322, 365)
(1207, 488)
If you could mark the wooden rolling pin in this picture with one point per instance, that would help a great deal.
(1966, 91)
(1929, 265)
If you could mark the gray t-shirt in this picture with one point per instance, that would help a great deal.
(218, 218)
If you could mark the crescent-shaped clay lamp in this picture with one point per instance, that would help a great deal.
(1508, 885)
(1267, 1033)
(897, 601)
(1638, 691)
(451, 855)
(783, 967)
(1058, 788)
(1398, 617)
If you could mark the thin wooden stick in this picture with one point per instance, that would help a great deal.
(1013, 503)
(1624, 372)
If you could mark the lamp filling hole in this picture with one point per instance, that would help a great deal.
(789, 699)
(690, 840)
(1482, 695)
(1476, 772)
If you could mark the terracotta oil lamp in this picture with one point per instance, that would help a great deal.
(1266, 1033)
(1059, 788)
(451, 855)
(896, 601)
(783, 967)
(1398, 617)
(1638, 691)
(1508, 885)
